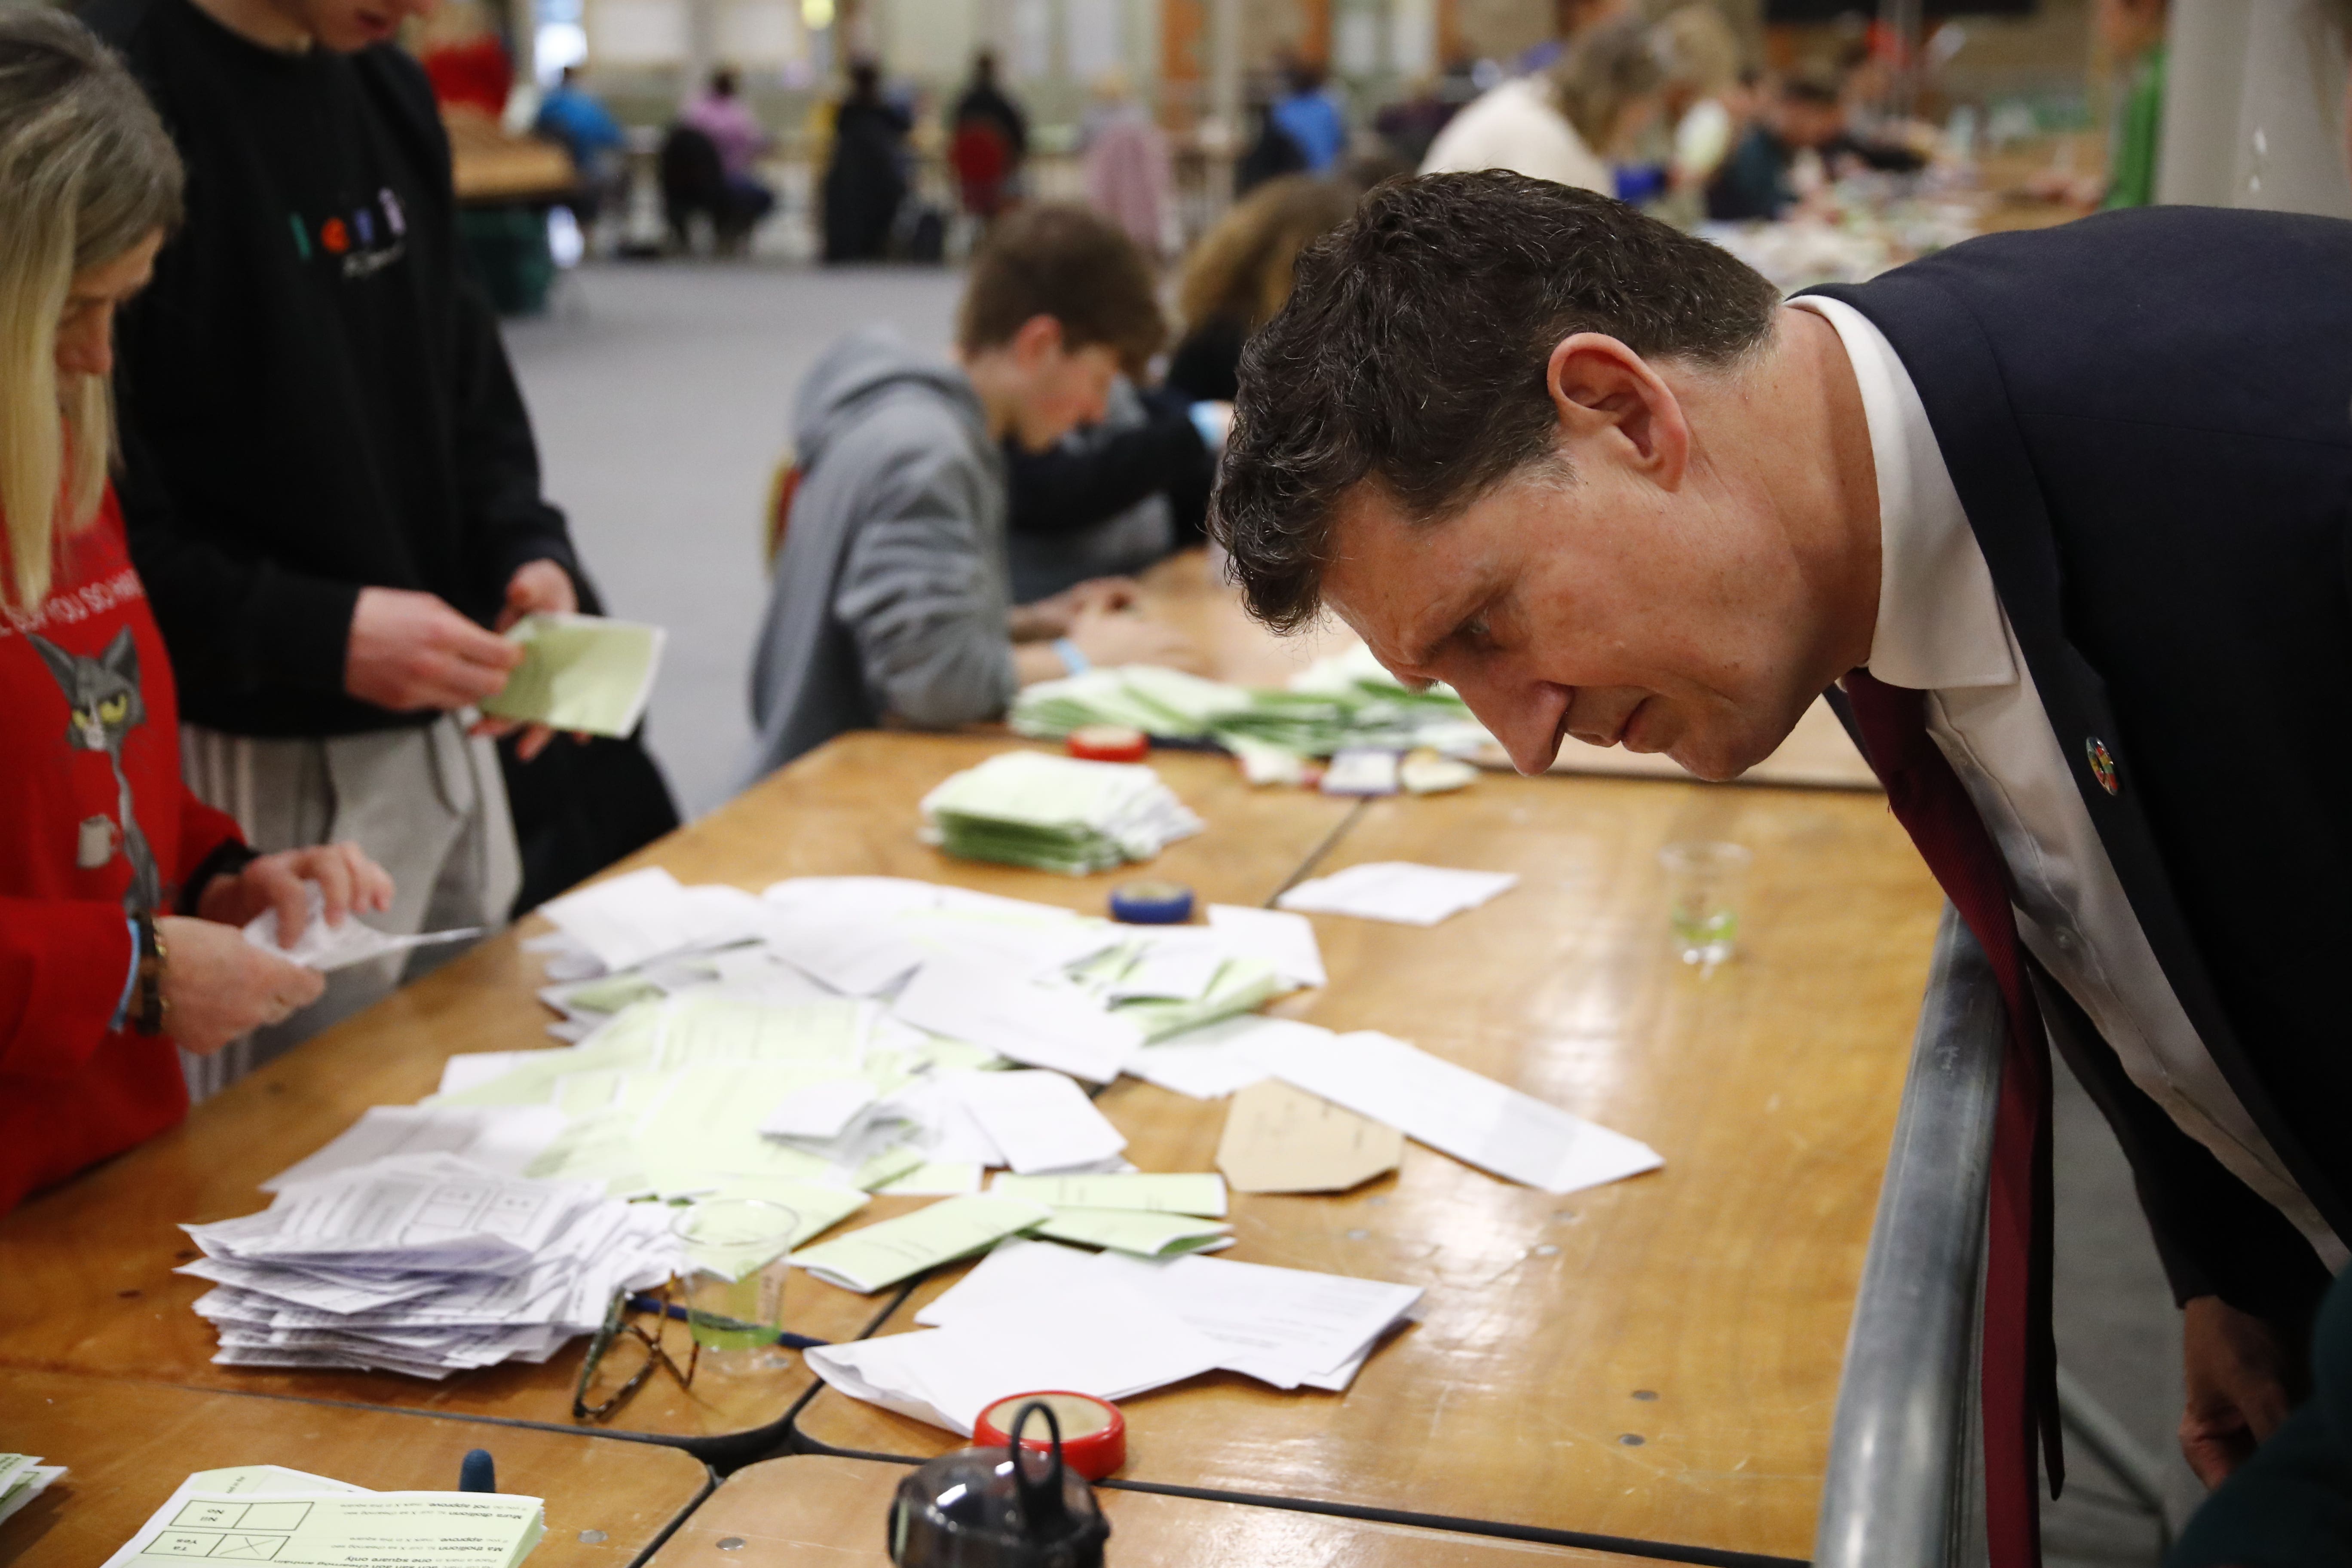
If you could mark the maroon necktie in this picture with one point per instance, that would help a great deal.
(2020, 1358)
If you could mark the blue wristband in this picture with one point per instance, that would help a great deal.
(1073, 661)
(130, 981)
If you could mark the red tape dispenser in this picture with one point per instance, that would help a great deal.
(1093, 1432)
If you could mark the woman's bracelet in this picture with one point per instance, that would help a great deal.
(147, 1003)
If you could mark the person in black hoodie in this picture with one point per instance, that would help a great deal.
(329, 482)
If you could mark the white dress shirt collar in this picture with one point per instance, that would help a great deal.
(1941, 623)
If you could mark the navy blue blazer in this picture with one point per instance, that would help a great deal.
(2148, 417)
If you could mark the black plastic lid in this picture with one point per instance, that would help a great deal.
(998, 1508)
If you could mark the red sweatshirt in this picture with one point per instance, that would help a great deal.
(94, 822)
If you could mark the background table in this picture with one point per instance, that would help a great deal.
(127, 1445)
(1656, 1359)
(817, 1510)
(89, 1265)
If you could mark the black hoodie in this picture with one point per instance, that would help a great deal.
(314, 401)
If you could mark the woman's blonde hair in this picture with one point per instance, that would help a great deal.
(1602, 73)
(1699, 50)
(87, 172)
(1241, 269)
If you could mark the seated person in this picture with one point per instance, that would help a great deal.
(573, 118)
(741, 141)
(121, 893)
(1806, 114)
(1114, 497)
(1239, 275)
(891, 596)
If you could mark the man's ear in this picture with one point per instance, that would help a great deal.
(1036, 341)
(1605, 392)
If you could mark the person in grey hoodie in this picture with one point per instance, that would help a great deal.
(890, 596)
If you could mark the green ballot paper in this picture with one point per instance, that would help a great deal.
(580, 672)
(312, 1529)
(880, 1255)
(1130, 1230)
(1144, 1192)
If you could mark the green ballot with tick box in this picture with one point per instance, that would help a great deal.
(583, 673)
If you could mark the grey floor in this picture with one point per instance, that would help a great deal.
(662, 395)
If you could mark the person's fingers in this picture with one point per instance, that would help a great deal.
(334, 874)
(274, 877)
(461, 640)
(534, 740)
(494, 729)
(371, 883)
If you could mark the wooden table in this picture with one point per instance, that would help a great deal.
(1656, 1358)
(89, 1265)
(815, 1510)
(127, 1445)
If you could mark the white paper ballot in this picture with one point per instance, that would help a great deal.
(1039, 1120)
(1284, 939)
(1472, 1118)
(1398, 890)
(326, 948)
(820, 1111)
(501, 1138)
(1229, 1055)
(644, 914)
(1032, 1024)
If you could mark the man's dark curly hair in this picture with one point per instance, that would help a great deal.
(1413, 349)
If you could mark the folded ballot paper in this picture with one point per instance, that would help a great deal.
(1037, 1315)
(1398, 890)
(1055, 814)
(22, 1477)
(265, 1513)
(326, 948)
(580, 672)
(425, 1264)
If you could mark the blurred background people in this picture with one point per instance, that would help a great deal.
(1567, 124)
(576, 120)
(1239, 275)
(741, 140)
(988, 141)
(866, 178)
(1570, 21)
(1130, 173)
(1310, 115)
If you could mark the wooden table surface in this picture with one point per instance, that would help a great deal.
(127, 1445)
(1656, 1358)
(817, 1509)
(89, 1265)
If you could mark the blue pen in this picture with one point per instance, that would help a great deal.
(680, 1314)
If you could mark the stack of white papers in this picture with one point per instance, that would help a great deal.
(265, 1513)
(1397, 890)
(1055, 814)
(422, 1264)
(22, 1477)
(1035, 1316)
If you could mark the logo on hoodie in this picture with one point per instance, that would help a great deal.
(360, 243)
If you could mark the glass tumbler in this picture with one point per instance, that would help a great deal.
(1704, 885)
(732, 1278)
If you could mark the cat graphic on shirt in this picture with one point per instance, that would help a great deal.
(104, 704)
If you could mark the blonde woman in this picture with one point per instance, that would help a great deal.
(120, 895)
(1567, 124)
(1239, 274)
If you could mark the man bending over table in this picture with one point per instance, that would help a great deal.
(2063, 515)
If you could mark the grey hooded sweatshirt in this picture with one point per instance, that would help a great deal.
(890, 593)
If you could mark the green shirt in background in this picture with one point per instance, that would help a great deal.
(2140, 126)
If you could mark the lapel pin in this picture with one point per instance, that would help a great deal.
(2103, 767)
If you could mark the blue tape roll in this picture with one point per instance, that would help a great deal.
(1151, 903)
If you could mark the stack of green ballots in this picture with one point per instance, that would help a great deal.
(1055, 814)
(22, 1477)
(1343, 703)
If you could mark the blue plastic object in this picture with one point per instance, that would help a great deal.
(477, 1472)
(1151, 903)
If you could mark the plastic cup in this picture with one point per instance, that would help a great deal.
(731, 1279)
(1705, 882)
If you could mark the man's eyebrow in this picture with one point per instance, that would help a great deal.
(1454, 632)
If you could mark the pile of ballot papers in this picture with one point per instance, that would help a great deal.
(1037, 1315)
(1055, 814)
(833, 1037)
(1344, 702)
(426, 1264)
(267, 1513)
(22, 1477)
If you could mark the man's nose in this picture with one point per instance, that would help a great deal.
(1524, 715)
